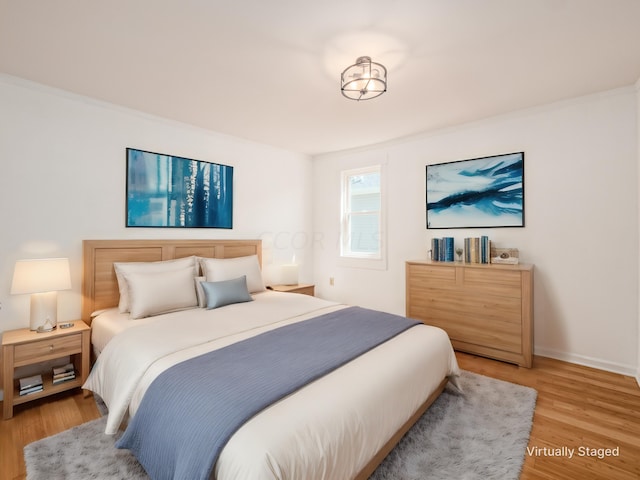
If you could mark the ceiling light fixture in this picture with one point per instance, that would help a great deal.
(364, 80)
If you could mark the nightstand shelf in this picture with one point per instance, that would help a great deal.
(25, 347)
(48, 389)
(304, 288)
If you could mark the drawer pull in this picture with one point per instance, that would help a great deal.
(50, 347)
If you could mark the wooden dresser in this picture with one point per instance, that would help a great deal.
(487, 310)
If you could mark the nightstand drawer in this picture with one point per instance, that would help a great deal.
(47, 347)
(310, 290)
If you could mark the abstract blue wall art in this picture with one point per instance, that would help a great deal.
(481, 192)
(168, 191)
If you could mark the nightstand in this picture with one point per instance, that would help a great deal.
(303, 288)
(26, 347)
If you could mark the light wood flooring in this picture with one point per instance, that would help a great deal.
(577, 407)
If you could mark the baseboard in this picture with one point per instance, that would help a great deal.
(628, 370)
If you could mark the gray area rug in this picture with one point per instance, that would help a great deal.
(479, 433)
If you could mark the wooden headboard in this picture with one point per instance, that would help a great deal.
(99, 283)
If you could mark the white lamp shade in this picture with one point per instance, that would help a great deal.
(289, 274)
(41, 275)
(42, 278)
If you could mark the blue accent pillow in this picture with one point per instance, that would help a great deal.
(226, 292)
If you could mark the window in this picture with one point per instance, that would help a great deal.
(362, 215)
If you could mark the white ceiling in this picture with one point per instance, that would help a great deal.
(269, 70)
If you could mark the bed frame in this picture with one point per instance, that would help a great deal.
(370, 467)
(100, 290)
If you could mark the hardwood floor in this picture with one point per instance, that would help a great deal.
(577, 408)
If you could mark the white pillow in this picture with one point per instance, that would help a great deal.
(123, 268)
(219, 269)
(160, 292)
(202, 298)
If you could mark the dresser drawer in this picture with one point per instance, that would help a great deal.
(486, 309)
(47, 348)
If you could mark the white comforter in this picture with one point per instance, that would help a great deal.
(328, 430)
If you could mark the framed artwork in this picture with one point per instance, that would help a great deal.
(168, 191)
(480, 192)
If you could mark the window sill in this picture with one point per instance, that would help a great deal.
(366, 263)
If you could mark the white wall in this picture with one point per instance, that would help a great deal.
(63, 180)
(581, 213)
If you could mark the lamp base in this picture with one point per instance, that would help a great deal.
(44, 311)
(45, 329)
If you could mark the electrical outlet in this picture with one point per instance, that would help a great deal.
(331, 281)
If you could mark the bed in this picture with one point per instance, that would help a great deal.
(338, 426)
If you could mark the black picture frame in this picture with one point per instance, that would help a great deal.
(483, 192)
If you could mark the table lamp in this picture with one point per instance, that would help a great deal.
(289, 274)
(42, 278)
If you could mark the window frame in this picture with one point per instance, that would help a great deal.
(348, 257)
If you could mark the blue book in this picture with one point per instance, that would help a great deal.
(484, 249)
(435, 249)
(449, 249)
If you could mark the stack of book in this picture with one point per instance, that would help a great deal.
(64, 373)
(477, 249)
(31, 384)
(442, 249)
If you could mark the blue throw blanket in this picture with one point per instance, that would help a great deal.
(192, 409)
